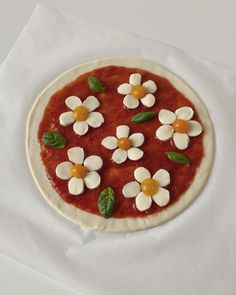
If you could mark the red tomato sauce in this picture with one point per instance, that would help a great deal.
(112, 174)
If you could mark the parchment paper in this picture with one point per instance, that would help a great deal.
(192, 254)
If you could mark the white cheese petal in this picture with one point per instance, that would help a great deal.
(92, 180)
(131, 189)
(181, 140)
(135, 79)
(124, 88)
(93, 163)
(119, 156)
(141, 173)
(109, 142)
(95, 119)
(143, 202)
(66, 118)
(76, 155)
(164, 132)
(72, 102)
(76, 186)
(122, 131)
(195, 128)
(135, 154)
(162, 176)
(91, 103)
(80, 128)
(148, 100)
(166, 116)
(130, 102)
(63, 170)
(162, 197)
(184, 113)
(137, 139)
(150, 86)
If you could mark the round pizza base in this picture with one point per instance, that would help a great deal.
(93, 221)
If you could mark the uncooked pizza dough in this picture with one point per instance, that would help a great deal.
(93, 221)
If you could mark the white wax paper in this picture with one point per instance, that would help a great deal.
(192, 254)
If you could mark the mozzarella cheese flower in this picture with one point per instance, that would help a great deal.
(125, 146)
(147, 189)
(135, 92)
(82, 114)
(79, 171)
(179, 126)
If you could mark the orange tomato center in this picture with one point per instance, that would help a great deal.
(80, 113)
(78, 171)
(149, 186)
(138, 91)
(180, 126)
(124, 143)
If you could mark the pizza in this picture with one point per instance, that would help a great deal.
(119, 144)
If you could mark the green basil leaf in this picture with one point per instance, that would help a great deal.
(54, 139)
(95, 84)
(178, 157)
(142, 117)
(106, 202)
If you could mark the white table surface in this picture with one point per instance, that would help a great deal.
(204, 27)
